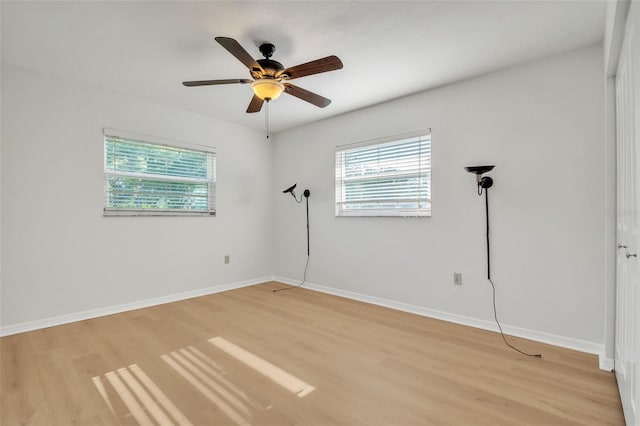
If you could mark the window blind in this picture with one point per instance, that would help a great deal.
(388, 178)
(147, 178)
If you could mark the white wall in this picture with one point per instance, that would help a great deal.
(541, 124)
(61, 256)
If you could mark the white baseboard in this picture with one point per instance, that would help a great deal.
(538, 336)
(606, 364)
(7, 330)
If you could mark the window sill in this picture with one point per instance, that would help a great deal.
(383, 214)
(131, 213)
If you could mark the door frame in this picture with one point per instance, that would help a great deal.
(617, 13)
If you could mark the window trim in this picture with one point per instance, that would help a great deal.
(380, 212)
(161, 142)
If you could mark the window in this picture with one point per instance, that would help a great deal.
(385, 177)
(143, 178)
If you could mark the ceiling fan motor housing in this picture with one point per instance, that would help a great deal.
(270, 67)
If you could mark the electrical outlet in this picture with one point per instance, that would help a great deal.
(227, 259)
(457, 278)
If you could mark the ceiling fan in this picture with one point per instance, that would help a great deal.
(269, 74)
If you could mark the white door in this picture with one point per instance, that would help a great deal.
(627, 345)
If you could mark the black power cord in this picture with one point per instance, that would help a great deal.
(495, 315)
(304, 278)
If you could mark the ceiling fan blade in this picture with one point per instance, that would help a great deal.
(238, 51)
(215, 82)
(255, 105)
(329, 63)
(306, 95)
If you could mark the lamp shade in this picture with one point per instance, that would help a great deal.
(267, 89)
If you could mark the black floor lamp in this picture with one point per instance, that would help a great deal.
(306, 194)
(484, 183)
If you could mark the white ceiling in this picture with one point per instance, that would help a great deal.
(389, 48)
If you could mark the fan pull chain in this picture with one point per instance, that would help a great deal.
(266, 118)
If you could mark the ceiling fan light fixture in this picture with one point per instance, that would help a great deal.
(267, 89)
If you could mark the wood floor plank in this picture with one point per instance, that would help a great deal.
(368, 365)
(21, 398)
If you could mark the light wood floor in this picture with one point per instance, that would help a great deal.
(251, 356)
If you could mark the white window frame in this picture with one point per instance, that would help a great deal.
(422, 136)
(160, 142)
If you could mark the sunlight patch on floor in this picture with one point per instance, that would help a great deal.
(215, 371)
(142, 397)
(224, 400)
(276, 374)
